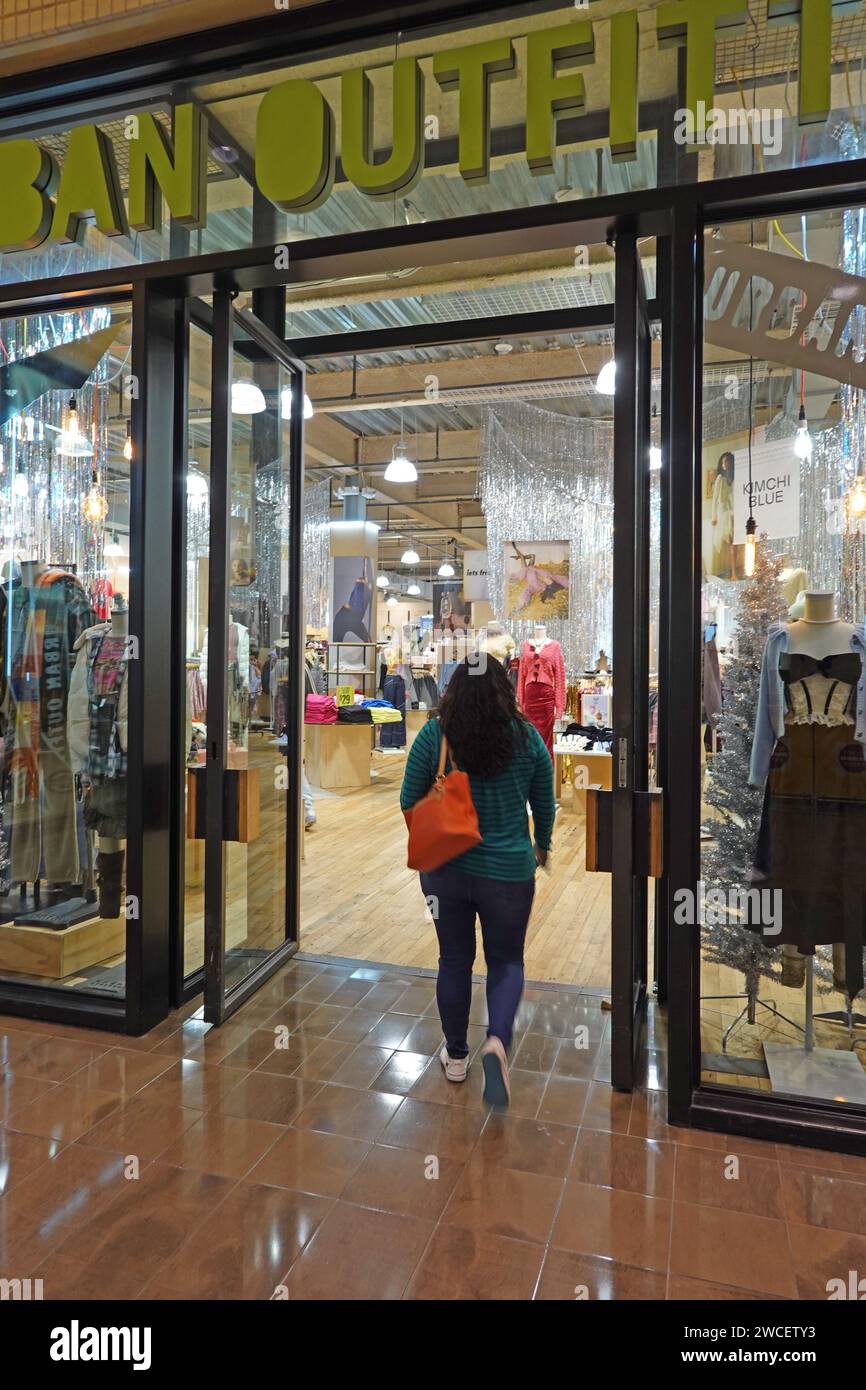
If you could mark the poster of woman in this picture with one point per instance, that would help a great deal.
(718, 537)
(537, 580)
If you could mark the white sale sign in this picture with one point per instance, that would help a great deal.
(775, 490)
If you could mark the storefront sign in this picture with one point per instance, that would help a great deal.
(295, 154)
(476, 577)
(775, 491)
(747, 285)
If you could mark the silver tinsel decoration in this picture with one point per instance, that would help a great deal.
(549, 477)
(317, 553)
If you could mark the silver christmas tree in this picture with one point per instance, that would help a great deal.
(728, 858)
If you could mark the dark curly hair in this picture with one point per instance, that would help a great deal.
(479, 717)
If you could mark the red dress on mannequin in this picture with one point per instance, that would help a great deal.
(541, 686)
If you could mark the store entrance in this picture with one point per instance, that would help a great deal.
(483, 488)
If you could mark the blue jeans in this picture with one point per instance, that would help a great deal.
(503, 909)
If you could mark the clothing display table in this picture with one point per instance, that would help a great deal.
(592, 768)
(338, 755)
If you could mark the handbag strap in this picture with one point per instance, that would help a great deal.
(443, 755)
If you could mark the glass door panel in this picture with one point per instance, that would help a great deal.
(249, 817)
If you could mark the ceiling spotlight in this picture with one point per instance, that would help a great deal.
(606, 381)
(410, 556)
(503, 348)
(247, 398)
(401, 469)
(286, 404)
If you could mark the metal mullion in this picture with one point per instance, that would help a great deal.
(220, 510)
(297, 632)
(663, 897)
(682, 796)
(624, 579)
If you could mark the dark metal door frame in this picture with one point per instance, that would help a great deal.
(219, 1002)
(631, 487)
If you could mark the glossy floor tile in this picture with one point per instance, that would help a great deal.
(312, 1149)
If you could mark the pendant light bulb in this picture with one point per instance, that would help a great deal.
(391, 602)
(410, 556)
(857, 498)
(401, 469)
(751, 547)
(20, 485)
(413, 589)
(127, 448)
(73, 443)
(286, 404)
(247, 398)
(382, 581)
(605, 383)
(446, 570)
(95, 506)
(803, 439)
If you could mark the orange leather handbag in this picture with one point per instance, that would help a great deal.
(444, 823)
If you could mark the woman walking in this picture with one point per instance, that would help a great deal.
(508, 766)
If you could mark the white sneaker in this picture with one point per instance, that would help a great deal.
(455, 1068)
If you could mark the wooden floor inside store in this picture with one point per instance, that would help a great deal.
(358, 899)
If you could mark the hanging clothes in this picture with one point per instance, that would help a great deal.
(394, 735)
(38, 635)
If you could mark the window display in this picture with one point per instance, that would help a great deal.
(784, 685)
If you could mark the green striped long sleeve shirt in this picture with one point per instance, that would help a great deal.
(506, 850)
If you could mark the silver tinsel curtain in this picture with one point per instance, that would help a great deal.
(549, 477)
(317, 553)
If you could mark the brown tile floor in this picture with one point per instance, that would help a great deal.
(313, 1146)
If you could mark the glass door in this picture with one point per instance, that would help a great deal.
(633, 806)
(243, 800)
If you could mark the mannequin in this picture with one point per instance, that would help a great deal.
(809, 745)
(819, 632)
(541, 690)
(97, 724)
(41, 618)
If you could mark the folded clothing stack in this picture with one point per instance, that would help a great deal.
(354, 714)
(320, 709)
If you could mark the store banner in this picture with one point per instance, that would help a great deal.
(476, 577)
(775, 491)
